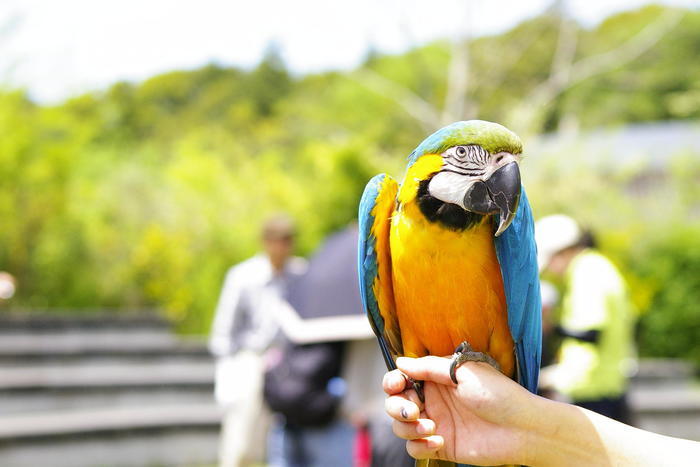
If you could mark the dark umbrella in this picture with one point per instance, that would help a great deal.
(330, 287)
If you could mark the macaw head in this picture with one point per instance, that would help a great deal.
(466, 171)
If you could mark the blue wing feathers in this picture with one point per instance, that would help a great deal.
(367, 264)
(367, 254)
(517, 255)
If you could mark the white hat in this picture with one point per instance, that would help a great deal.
(549, 294)
(553, 234)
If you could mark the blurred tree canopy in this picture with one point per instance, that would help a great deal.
(143, 194)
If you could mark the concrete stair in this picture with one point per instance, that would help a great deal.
(90, 384)
(665, 398)
(104, 390)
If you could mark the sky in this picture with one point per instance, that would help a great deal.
(56, 49)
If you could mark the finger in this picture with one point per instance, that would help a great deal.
(431, 368)
(394, 382)
(425, 448)
(414, 430)
(401, 409)
(412, 396)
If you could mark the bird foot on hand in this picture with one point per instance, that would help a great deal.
(416, 386)
(465, 353)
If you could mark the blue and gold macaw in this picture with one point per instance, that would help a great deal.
(447, 260)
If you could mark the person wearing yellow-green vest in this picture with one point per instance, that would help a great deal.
(596, 320)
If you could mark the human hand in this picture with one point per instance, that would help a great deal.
(483, 420)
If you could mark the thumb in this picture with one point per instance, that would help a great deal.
(431, 368)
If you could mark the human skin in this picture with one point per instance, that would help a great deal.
(279, 248)
(488, 419)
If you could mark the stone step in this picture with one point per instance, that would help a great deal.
(652, 371)
(675, 415)
(669, 409)
(104, 390)
(16, 347)
(670, 399)
(107, 420)
(684, 425)
(56, 321)
(63, 399)
(63, 360)
(175, 434)
(180, 447)
(28, 378)
(80, 385)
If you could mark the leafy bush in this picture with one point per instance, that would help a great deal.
(671, 327)
(143, 194)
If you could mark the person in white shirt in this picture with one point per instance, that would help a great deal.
(244, 326)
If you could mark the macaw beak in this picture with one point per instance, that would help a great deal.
(498, 194)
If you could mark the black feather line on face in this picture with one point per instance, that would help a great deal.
(449, 215)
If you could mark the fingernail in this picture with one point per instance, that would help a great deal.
(404, 413)
(424, 429)
(435, 442)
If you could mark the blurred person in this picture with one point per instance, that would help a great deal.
(550, 341)
(596, 320)
(319, 384)
(244, 327)
(550, 299)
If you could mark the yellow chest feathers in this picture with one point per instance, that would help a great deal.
(447, 285)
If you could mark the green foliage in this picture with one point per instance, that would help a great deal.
(662, 84)
(672, 326)
(143, 194)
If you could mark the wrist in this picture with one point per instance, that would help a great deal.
(562, 434)
(534, 432)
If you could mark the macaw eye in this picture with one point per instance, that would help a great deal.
(461, 151)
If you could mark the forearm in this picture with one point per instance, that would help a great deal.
(563, 434)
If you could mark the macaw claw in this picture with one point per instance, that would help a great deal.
(416, 386)
(465, 353)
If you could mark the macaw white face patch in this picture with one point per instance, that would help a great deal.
(450, 187)
(470, 160)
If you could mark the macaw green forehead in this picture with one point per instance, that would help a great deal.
(493, 137)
